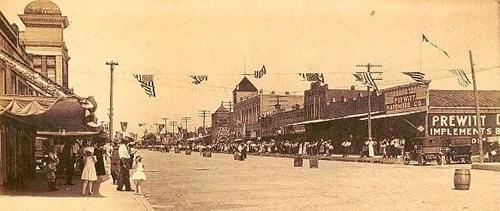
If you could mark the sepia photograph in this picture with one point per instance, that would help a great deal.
(147, 105)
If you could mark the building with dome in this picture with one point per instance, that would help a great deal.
(44, 39)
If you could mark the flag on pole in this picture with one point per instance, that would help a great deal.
(312, 77)
(197, 79)
(417, 76)
(161, 127)
(462, 78)
(366, 79)
(260, 73)
(425, 39)
(147, 83)
(124, 126)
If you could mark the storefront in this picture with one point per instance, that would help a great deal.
(23, 119)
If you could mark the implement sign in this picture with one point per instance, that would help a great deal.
(463, 124)
(405, 98)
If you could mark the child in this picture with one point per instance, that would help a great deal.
(89, 173)
(138, 177)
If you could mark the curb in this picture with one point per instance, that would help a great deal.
(487, 167)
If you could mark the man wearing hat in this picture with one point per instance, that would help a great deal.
(124, 176)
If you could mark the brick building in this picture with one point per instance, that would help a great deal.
(250, 106)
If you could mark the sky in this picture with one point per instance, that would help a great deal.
(173, 39)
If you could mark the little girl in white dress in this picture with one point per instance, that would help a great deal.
(138, 176)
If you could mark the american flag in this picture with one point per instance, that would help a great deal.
(147, 83)
(462, 78)
(312, 77)
(260, 73)
(417, 76)
(425, 39)
(197, 79)
(366, 79)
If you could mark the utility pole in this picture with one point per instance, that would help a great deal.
(112, 65)
(185, 119)
(478, 116)
(229, 105)
(368, 70)
(173, 124)
(165, 119)
(204, 114)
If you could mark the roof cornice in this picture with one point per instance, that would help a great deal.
(31, 19)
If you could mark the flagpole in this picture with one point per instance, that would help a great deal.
(478, 119)
(420, 60)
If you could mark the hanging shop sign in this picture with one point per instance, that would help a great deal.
(463, 124)
(222, 132)
(406, 98)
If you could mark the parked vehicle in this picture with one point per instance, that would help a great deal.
(425, 150)
(459, 149)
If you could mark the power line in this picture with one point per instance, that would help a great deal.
(203, 114)
(185, 119)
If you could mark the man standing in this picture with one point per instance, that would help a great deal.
(69, 162)
(124, 176)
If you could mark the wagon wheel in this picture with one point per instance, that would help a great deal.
(439, 160)
(447, 159)
(406, 159)
(468, 160)
(420, 160)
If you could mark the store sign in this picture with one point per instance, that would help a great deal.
(463, 124)
(408, 98)
(222, 132)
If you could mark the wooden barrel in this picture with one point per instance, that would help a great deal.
(236, 155)
(462, 179)
(298, 161)
(188, 152)
(313, 162)
(208, 154)
(177, 150)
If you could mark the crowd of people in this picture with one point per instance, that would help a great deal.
(387, 148)
(85, 157)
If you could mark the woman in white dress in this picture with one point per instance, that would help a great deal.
(89, 173)
(371, 152)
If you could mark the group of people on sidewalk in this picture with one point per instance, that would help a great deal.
(387, 148)
(66, 157)
(123, 157)
(88, 158)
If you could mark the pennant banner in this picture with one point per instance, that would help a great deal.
(417, 76)
(161, 127)
(462, 78)
(147, 83)
(124, 126)
(425, 39)
(260, 73)
(312, 77)
(366, 79)
(197, 79)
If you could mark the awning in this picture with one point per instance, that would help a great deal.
(392, 115)
(49, 115)
(331, 119)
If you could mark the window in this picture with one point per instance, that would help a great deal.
(37, 61)
(51, 67)
(13, 84)
(2, 80)
(51, 73)
(51, 61)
